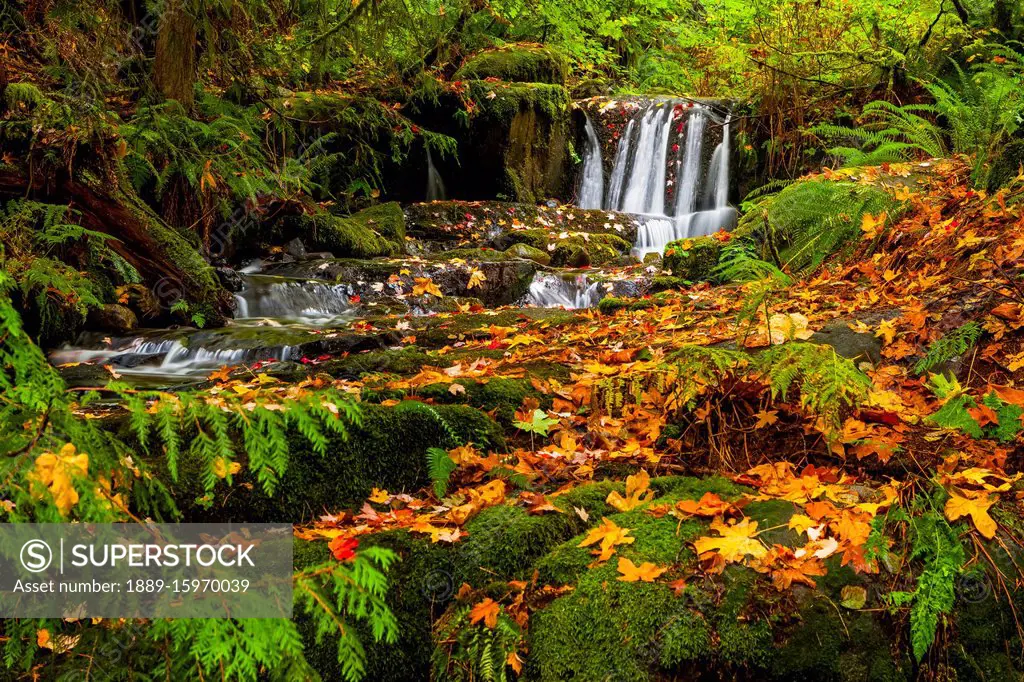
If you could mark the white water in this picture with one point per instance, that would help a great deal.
(435, 186)
(549, 290)
(592, 184)
(693, 203)
(309, 302)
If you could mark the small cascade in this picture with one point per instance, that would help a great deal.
(307, 301)
(550, 290)
(435, 186)
(170, 357)
(592, 183)
(662, 172)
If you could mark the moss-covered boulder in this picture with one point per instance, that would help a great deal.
(375, 231)
(528, 252)
(387, 450)
(519, 63)
(519, 138)
(692, 259)
(811, 220)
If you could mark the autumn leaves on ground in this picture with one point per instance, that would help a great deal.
(691, 480)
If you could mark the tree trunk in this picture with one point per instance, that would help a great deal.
(169, 264)
(174, 70)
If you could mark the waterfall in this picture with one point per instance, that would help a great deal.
(661, 172)
(592, 184)
(690, 174)
(619, 169)
(549, 290)
(435, 186)
(719, 169)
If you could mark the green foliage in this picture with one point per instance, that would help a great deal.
(333, 593)
(809, 221)
(888, 133)
(954, 343)
(826, 382)
(441, 467)
(475, 652)
(740, 262)
(955, 414)
(935, 543)
(47, 253)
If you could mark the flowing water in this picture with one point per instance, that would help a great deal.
(662, 172)
(592, 185)
(435, 186)
(550, 290)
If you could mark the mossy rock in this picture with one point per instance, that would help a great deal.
(528, 252)
(692, 259)
(523, 63)
(1006, 166)
(387, 450)
(372, 232)
(575, 250)
(812, 220)
(520, 136)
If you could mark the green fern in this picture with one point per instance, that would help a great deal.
(935, 543)
(440, 466)
(956, 342)
(469, 652)
(888, 133)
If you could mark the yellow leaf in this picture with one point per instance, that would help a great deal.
(977, 508)
(736, 542)
(55, 474)
(609, 535)
(645, 572)
(766, 418)
(379, 496)
(425, 287)
(886, 331)
(785, 327)
(871, 225)
(476, 278)
(637, 492)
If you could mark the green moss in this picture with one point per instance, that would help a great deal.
(504, 542)
(811, 220)
(692, 259)
(529, 253)
(516, 63)
(609, 304)
(373, 232)
(388, 451)
(574, 250)
(502, 397)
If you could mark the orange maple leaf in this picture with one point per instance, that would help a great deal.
(645, 572)
(709, 505)
(486, 611)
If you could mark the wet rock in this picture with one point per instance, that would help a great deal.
(83, 374)
(230, 279)
(856, 346)
(113, 317)
(295, 248)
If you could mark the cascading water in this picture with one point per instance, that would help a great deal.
(435, 186)
(662, 174)
(549, 290)
(307, 301)
(592, 183)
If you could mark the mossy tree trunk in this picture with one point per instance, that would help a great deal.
(174, 69)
